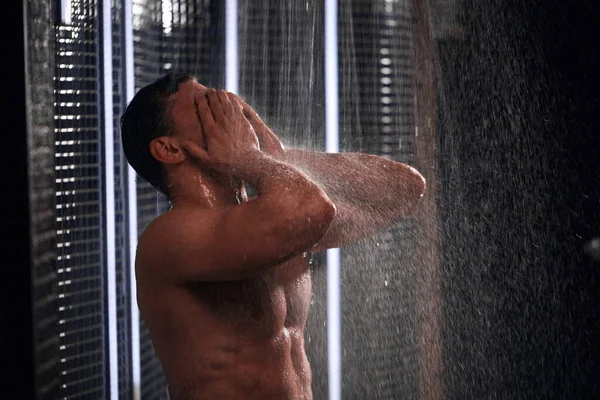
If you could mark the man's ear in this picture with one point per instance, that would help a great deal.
(167, 150)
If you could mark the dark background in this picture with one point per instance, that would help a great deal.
(519, 151)
(15, 302)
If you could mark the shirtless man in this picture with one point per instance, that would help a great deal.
(223, 279)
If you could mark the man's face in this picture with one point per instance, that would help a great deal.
(184, 113)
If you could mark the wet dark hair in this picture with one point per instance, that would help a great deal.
(145, 119)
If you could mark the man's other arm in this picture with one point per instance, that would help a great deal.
(370, 192)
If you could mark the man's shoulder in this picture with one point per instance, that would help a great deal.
(170, 233)
(177, 222)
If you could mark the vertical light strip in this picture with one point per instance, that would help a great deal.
(132, 213)
(334, 328)
(109, 196)
(65, 12)
(231, 46)
(332, 140)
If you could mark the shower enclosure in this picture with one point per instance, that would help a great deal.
(487, 290)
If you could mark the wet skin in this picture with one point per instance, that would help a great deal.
(224, 288)
(232, 340)
(224, 285)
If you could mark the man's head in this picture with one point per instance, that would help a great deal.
(149, 122)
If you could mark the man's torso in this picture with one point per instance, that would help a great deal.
(228, 340)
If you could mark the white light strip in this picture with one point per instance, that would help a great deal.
(332, 134)
(109, 199)
(65, 12)
(334, 326)
(231, 46)
(332, 145)
(132, 213)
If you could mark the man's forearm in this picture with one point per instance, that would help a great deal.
(286, 190)
(361, 179)
(298, 210)
(370, 192)
(268, 175)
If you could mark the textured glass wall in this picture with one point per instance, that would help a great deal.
(120, 198)
(81, 304)
(40, 162)
(81, 204)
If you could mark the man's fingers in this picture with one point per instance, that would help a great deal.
(237, 106)
(236, 100)
(253, 117)
(205, 113)
(249, 113)
(262, 130)
(225, 103)
(215, 105)
(233, 96)
(267, 139)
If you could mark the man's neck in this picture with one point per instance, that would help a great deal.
(192, 187)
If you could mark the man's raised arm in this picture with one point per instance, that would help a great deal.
(370, 192)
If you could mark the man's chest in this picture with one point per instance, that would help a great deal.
(279, 297)
(295, 281)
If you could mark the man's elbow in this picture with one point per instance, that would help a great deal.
(321, 212)
(415, 188)
(323, 209)
(420, 184)
(328, 211)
